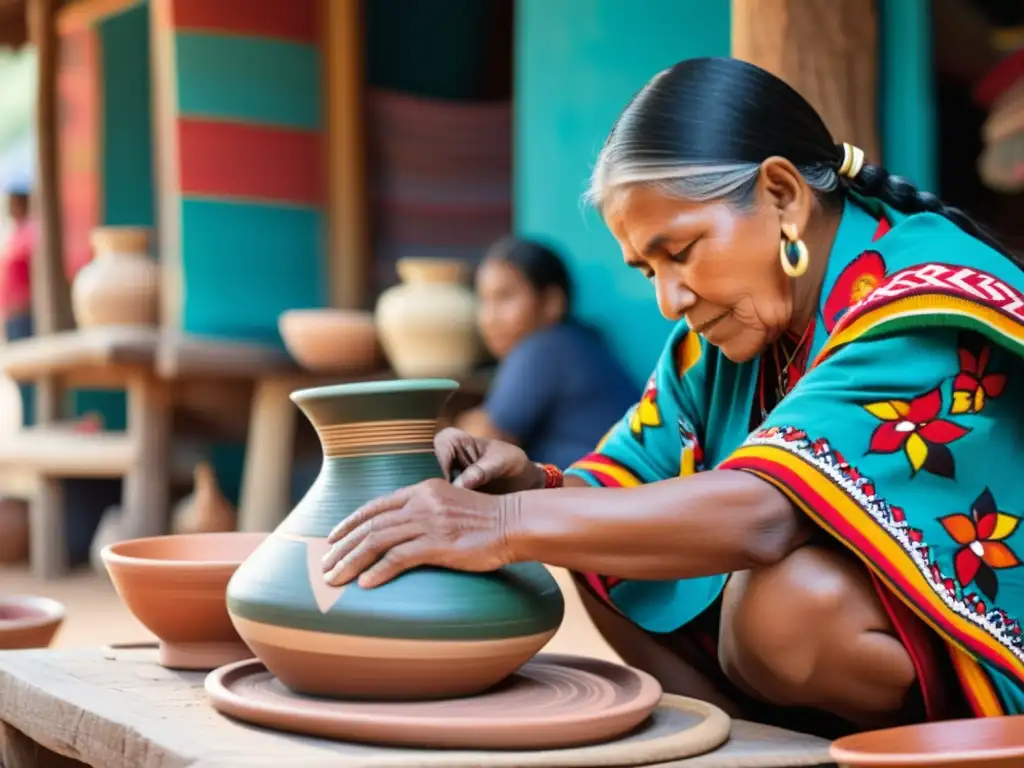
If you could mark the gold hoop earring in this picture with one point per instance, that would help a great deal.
(792, 252)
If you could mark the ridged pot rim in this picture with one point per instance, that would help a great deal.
(384, 387)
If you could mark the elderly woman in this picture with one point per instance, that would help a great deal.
(815, 507)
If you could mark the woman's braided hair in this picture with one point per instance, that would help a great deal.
(701, 129)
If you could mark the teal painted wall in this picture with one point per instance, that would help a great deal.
(906, 107)
(129, 195)
(578, 62)
(268, 258)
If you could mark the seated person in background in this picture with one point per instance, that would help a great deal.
(558, 386)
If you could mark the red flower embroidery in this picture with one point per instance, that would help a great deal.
(861, 277)
(983, 550)
(915, 427)
(972, 385)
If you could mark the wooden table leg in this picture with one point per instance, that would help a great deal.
(266, 479)
(146, 495)
(48, 551)
(19, 751)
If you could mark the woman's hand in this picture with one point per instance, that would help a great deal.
(431, 523)
(484, 464)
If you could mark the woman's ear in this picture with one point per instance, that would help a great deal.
(553, 305)
(781, 186)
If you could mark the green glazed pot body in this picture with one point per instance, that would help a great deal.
(395, 640)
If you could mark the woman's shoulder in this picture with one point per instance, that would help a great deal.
(930, 240)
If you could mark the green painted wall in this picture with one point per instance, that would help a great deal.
(577, 64)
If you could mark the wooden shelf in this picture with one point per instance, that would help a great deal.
(60, 452)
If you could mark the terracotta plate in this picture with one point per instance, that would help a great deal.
(553, 701)
(992, 742)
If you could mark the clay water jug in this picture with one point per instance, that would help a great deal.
(427, 323)
(120, 286)
(429, 633)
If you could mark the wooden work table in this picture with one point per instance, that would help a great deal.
(119, 709)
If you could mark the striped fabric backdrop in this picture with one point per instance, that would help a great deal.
(250, 161)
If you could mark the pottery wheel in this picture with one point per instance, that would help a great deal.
(553, 701)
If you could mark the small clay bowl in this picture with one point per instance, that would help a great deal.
(176, 586)
(331, 340)
(28, 622)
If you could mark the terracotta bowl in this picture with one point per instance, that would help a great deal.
(28, 622)
(176, 586)
(331, 340)
(987, 742)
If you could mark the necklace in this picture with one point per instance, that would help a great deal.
(788, 370)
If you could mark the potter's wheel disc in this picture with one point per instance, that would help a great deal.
(990, 741)
(553, 701)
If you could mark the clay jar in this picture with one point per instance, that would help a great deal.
(427, 324)
(120, 286)
(431, 632)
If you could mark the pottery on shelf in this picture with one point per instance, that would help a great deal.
(205, 510)
(28, 622)
(331, 340)
(175, 587)
(429, 633)
(427, 323)
(120, 286)
(14, 531)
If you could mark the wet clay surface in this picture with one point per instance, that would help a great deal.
(553, 701)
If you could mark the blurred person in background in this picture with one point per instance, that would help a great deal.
(16, 277)
(558, 385)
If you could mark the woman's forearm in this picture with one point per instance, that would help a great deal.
(713, 522)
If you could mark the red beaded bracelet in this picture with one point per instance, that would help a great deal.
(552, 476)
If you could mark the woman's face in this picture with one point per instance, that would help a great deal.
(716, 266)
(509, 307)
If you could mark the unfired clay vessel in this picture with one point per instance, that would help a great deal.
(427, 324)
(28, 622)
(120, 286)
(205, 510)
(331, 340)
(431, 632)
(175, 586)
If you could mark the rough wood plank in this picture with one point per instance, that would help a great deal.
(58, 451)
(181, 355)
(128, 712)
(62, 353)
(827, 51)
(19, 751)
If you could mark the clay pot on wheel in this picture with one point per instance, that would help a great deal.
(431, 632)
(120, 286)
(427, 324)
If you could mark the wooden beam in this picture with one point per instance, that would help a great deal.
(51, 295)
(163, 66)
(349, 259)
(82, 13)
(827, 51)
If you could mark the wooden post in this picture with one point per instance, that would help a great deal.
(348, 253)
(827, 51)
(51, 297)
